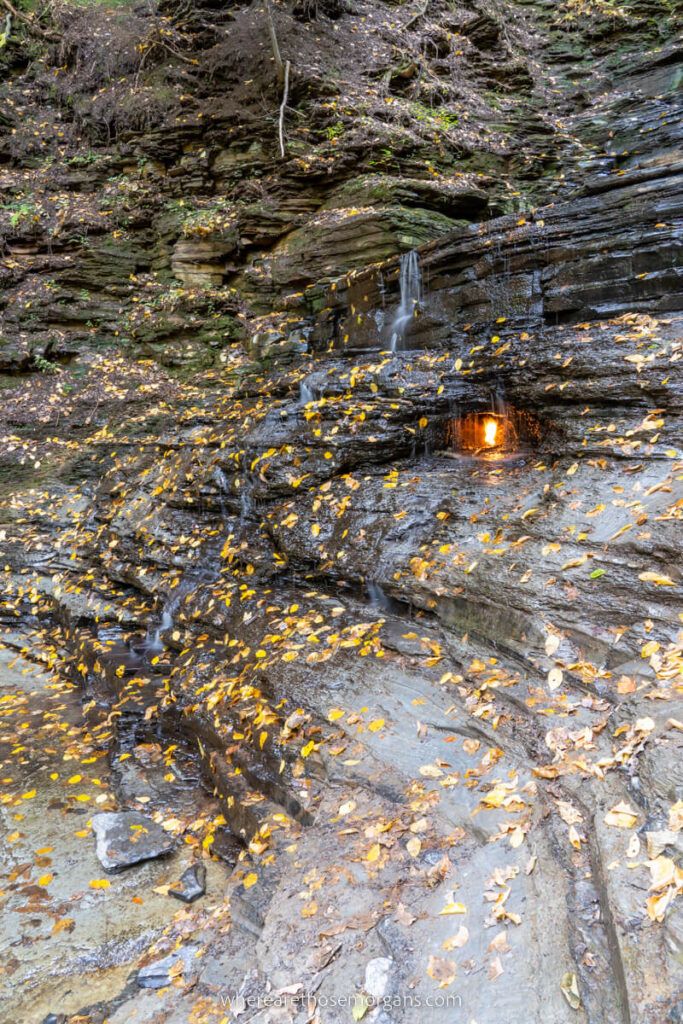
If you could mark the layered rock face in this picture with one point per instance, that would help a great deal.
(433, 680)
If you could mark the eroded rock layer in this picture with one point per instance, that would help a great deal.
(432, 675)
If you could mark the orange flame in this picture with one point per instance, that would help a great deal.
(490, 432)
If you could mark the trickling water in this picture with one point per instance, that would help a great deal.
(246, 503)
(381, 287)
(306, 394)
(223, 486)
(154, 642)
(410, 282)
(499, 403)
(377, 597)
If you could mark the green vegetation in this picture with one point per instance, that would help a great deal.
(334, 131)
(21, 212)
(437, 117)
(207, 219)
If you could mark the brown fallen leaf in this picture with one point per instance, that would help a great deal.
(499, 943)
(495, 969)
(441, 970)
(456, 941)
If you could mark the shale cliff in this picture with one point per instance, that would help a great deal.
(343, 485)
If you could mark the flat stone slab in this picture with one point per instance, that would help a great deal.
(125, 838)
(162, 972)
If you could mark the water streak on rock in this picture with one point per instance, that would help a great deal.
(410, 282)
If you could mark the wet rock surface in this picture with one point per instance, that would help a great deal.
(124, 838)
(161, 973)
(191, 884)
(413, 705)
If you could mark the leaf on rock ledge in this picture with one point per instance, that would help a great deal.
(621, 816)
(657, 579)
(570, 990)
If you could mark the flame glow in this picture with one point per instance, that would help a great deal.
(490, 432)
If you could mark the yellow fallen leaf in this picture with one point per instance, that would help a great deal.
(250, 879)
(453, 908)
(657, 905)
(621, 816)
(654, 577)
(376, 725)
(574, 563)
(574, 837)
(570, 990)
(100, 883)
(64, 924)
(662, 872)
(45, 879)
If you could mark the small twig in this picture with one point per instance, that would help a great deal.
(417, 16)
(28, 20)
(285, 95)
(273, 40)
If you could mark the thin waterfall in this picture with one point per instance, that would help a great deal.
(376, 596)
(306, 394)
(154, 643)
(410, 282)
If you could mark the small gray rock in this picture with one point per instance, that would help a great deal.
(191, 884)
(126, 837)
(156, 975)
(377, 976)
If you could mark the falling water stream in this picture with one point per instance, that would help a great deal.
(410, 283)
(306, 394)
(154, 643)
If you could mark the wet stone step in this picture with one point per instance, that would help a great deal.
(125, 838)
(162, 972)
